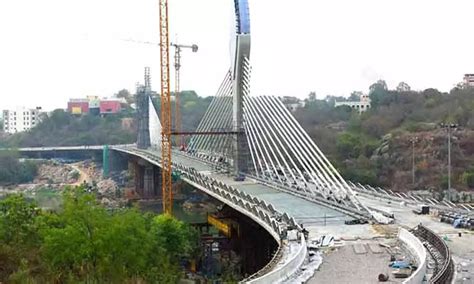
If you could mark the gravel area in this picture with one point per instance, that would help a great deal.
(356, 263)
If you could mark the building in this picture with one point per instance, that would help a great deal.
(78, 106)
(94, 105)
(21, 119)
(361, 105)
(292, 103)
(469, 80)
(108, 106)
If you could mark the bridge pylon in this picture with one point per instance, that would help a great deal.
(143, 115)
(240, 73)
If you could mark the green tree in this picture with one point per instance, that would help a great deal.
(378, 93)
(18, 236)
(355, 96)
(14, 171)
(124, 93)
(17, 221)
(348, 145)
(468, 178)
(176, 238)
(73, 242)
(87, 243)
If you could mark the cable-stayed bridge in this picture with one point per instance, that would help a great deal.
(250, 153)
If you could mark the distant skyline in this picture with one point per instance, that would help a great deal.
(53, 50)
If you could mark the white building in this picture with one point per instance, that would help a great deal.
(362, 105)
(20, 119)
(469, 80)
(292, 103)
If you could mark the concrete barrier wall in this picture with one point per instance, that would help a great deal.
(281, 273)
(416, 246)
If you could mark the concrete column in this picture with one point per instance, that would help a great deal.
(139, 182)
(143, 139)
(148, 182)
(157, 181)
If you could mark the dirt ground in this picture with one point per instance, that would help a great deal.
(356, 263)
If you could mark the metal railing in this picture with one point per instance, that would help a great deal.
(437, 248)
(409, 198)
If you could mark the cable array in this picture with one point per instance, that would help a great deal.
(280, 149)
(217, 118)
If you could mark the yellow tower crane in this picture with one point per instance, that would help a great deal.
(177, 67)
(165, 110)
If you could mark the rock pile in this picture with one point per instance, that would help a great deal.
(51, 173)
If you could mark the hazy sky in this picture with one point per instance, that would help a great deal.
(52, 50)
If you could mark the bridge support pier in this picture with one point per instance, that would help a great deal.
(148, 182)
(112, 161)
(146, 179)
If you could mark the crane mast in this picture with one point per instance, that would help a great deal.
(165, 110)
(177, 67)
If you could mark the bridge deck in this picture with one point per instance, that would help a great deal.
(302, 210)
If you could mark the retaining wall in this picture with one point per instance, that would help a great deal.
(285, 271)
(416, 246)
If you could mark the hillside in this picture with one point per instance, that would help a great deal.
(375, 147)
(61, 128)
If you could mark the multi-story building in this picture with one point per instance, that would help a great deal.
(78, 106)
(108, 106)
(469, 80)
(361, 105)
(95, 106)
(21, 119)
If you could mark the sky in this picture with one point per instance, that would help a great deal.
(53, 50)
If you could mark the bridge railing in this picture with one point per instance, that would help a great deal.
(407, 198)
(444, 268)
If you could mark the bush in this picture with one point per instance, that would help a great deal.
(348, 145)
(84, 243)
(468, 179)
(13, 171)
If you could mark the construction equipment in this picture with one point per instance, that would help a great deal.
(165, 110)
(177, 66)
